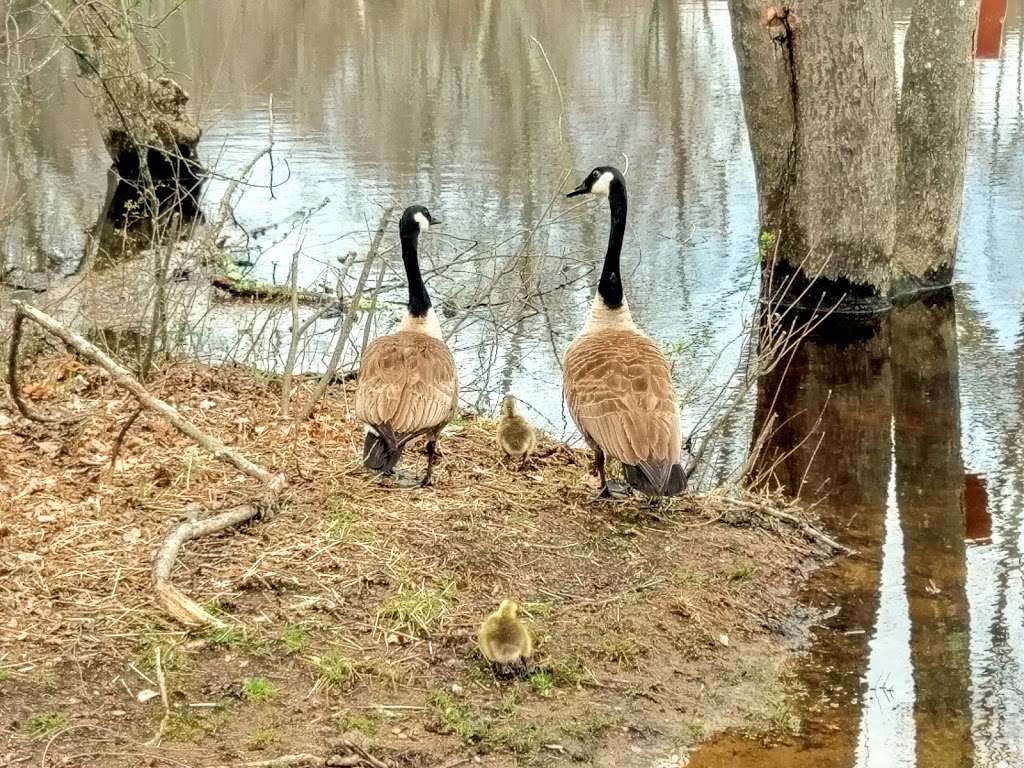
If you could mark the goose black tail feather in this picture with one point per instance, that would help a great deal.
(381, 451)
(664, 480)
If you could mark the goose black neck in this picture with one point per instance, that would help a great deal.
(419, 299)
(609, 288)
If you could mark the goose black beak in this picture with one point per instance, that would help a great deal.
(435, 222)
(580, 190)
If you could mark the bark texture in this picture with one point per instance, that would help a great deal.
(819, 92)
(934, 115)
(151, 138)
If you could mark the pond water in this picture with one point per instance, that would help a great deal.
(914, 421)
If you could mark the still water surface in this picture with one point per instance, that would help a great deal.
(921, 662)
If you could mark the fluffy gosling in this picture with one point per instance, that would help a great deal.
(516, 436)
(504, 639)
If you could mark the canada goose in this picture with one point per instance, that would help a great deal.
(617, 382)
(504, 639)
(407, 380)
(516, 436)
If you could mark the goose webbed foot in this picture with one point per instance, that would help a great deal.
(514, 669)
(613, 490)
(403, 479)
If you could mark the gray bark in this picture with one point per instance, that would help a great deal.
(819, 92)
(935, 108)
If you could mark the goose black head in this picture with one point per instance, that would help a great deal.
(598, 181)
(416, 220)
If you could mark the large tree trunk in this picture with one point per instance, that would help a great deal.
(819, 93)
(935, 107)
(142, 117)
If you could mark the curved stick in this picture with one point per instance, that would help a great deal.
(12, 377)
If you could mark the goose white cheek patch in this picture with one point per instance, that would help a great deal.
(603, 185)
(422, 221)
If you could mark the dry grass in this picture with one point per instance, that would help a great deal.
(359, 600)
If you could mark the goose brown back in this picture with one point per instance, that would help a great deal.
(408, 384)
(619, 389)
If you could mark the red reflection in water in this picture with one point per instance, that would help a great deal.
(974, 501)
(989, 38)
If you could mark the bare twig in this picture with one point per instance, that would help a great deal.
(809, 530)
(162, 682)
(12, 379)
(285, 761)
(348, 322)
(119, 440)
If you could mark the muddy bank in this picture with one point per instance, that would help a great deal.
(351, 613)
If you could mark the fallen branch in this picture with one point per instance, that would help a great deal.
(809, 530)
(173, 600)
(123, 378)
(302, 758)
(167, 595)
(367, 757)
(261, 291)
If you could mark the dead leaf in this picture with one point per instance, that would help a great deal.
(50, 447)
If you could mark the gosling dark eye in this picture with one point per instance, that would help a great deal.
(594, 175)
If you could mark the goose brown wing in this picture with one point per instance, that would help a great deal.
(619, 389)
(407, 381)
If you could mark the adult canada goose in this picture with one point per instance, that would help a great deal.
(503, 638)
(617, 382)
(407, 381)
(516, 436)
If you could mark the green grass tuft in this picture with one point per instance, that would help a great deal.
(624, 651)
(225, 637)
(257, 689)
(261, 738)
(45, 724)
(418, 609)
(294, 638)
(542, 681)
(335, 669)
(454, 717)
(364, 724)
(740, 570)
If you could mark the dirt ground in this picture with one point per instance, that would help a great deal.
(350, 614)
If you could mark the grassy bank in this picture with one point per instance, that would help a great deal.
(350, 614)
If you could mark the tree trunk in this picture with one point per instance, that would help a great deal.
(819, 93)
(142, 117)
(935, 108)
